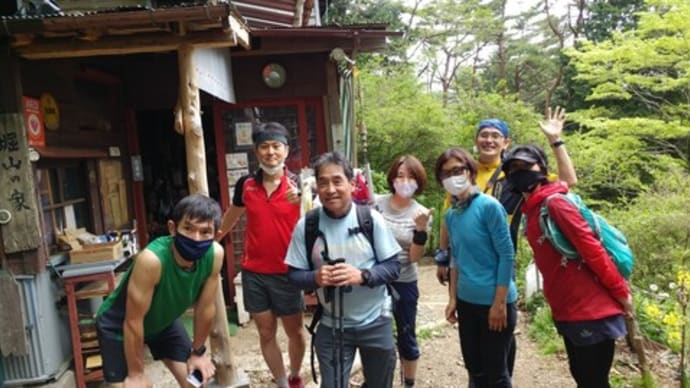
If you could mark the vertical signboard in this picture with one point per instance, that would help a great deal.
(19, 224)
(34, 122)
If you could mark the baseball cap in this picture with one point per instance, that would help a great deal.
(527, 153)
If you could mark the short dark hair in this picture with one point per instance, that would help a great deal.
(415, 167)
(332, 158)
(264, 130)
(197, 207)
(460, 155)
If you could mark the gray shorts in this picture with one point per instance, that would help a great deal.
(264, 292)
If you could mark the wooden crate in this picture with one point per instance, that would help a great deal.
(91, 253)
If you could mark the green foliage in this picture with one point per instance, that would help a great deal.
(657, 227)
(608, 16)
(348, 12)
(425, 334)
(520, 117)
(542, 330)
(648, 66)
(629, 138)
(410, 121)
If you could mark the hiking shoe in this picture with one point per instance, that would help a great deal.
(295, 382)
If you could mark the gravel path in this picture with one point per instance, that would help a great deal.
(441, 363)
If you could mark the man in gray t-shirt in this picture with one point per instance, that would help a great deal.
(355, 287)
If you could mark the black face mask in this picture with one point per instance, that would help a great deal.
(524, 181)
(190, 249)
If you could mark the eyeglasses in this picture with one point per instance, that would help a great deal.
(455, 171)
(490, 135)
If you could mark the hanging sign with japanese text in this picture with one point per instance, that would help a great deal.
(34, 122)
(50, 112)
(17, 193)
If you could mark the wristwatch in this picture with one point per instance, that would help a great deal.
(365, 277)
(199, 351)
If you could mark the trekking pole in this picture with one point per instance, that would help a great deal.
(341, 343)
(336, 329)
(334, 337)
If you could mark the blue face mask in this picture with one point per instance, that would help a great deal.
(190, 249)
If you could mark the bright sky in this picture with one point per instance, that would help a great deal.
(514, 7)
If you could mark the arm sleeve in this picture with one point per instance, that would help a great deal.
(296, 256)
(237, 194)
(574, 227)
(500, 239)
(384, 271)
(301, 278)
(452, 261)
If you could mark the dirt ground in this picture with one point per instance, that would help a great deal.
(441, 363)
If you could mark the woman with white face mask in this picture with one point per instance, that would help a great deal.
(410, 223)
(482, 292)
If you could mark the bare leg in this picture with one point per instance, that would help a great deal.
(178, 369)
(294, 329)
(409, 369)
(267, 323)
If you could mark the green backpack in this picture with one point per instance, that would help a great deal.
(612, 239)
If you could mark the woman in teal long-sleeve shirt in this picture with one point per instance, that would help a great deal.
(482, 291)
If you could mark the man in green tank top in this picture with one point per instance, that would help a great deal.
(172, 274)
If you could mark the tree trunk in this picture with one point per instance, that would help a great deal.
(189, 117)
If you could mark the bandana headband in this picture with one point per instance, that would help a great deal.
(260, 137)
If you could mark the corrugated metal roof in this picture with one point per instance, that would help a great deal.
(112, 18)
(258, 13)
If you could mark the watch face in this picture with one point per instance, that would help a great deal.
(273, 75)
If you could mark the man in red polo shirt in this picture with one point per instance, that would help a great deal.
(271, 201)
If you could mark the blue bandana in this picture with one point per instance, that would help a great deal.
(494, 123)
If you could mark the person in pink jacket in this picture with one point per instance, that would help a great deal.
(589, 298)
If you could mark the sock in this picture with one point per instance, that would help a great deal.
(409, 383)
(282, 382)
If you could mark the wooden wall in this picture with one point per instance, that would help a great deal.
(150, 81)
(306, 76)
(89, 100)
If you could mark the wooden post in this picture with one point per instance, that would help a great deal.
(189, 111)
(188, 123)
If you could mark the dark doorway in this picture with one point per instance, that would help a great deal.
(165, 167)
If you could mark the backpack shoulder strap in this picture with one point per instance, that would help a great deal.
(492, 181)
(311, 233)
(366, 225)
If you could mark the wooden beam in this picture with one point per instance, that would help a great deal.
(122, 45)
(299, 10)
(19, 40)
(239, 29)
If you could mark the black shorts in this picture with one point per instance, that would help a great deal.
(263, 292)
(172, 343)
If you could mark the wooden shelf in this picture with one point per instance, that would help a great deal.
(96, 288)
(95, 285)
